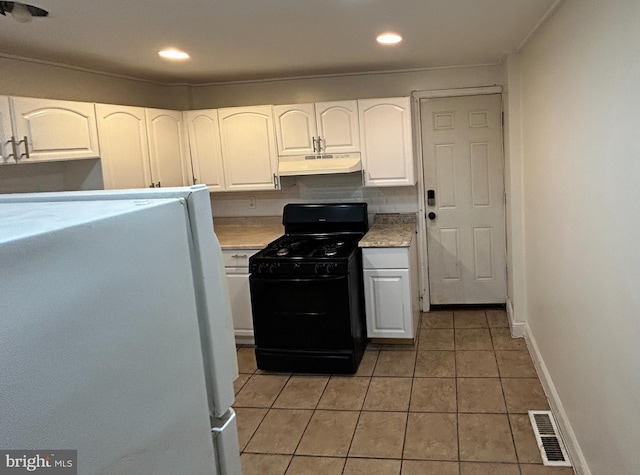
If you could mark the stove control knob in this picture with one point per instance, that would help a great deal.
(273, 267)
(325, 268)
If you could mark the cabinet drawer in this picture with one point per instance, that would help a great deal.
(238, 257)
(385, 258)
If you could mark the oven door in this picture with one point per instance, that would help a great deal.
(301, 312)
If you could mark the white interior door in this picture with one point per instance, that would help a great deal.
(464, 172)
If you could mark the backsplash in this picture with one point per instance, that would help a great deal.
(316, 189)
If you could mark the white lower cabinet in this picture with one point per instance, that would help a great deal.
(236, 263)
(391, 291)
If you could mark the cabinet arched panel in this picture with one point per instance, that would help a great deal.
(56, 130)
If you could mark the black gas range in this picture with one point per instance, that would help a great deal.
(307, 292)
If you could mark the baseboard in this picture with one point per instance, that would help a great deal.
(517, 328)
(566, 431)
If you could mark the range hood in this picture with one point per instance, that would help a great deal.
(319, 164)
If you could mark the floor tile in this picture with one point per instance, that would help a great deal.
(526, 446)
(524, 394)
(527, 469)
(473, 468)
(515, 364)
(497, 318)
(473, 339)
(476, 364)
(301, 392)
(260, 391)
(437, 319)
(485, 438)
(246, 360)
(480, 395)
(261, 464)
(248, 420)
(356, 466)
(368, 363)
(344, 393)
(240, 382)
(469, 319)
(329, 433)
(410, 409)
(502, 340)
(270, 438)
(388, 394)
(305, 465)
(422, 467)
(433, 395)
(431, 436)
(436, 339)
(395, 363)
(435, 364)
(379, 435)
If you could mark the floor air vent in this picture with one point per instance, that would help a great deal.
(548, 439)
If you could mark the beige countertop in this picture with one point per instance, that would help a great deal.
(390, 230)
(247, 233)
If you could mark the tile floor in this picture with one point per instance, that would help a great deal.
(456, 402)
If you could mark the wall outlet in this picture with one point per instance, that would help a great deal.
(252, 203)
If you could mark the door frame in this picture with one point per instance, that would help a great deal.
(416, 97)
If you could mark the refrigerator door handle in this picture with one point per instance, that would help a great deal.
(224, 432)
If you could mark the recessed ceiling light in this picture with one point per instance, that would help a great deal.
(389, 38)
(173, 53)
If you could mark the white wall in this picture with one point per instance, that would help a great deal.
(33, 79)
(316, 189)
(580, 97)
(335, 88)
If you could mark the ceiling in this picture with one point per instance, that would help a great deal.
(238, 40)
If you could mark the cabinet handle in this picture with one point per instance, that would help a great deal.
(13, 148)
(26, 147)
(158, 185)
(313, 139)
(275, 181)
(320, 144)
(239, 256)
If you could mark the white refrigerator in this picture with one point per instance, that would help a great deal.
(116, 338)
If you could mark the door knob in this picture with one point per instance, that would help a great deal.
(431, 215)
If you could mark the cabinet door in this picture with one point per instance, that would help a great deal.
(6, 150)
(387, 144)
(295, 129)
(204, 145)
(388, 303)
(248, 148)
(167, 146)
(240, 298)
(124, 146)
(338, 126)
(55, 130)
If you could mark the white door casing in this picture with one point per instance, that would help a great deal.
(463, 164)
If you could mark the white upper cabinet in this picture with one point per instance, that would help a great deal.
(44, 130)
(167, 148)
(323, 127)
(387, 143)
(204, 144)
(54, 130)
(248, 148)
(6, 149)
(141, 147)
(124, 146)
